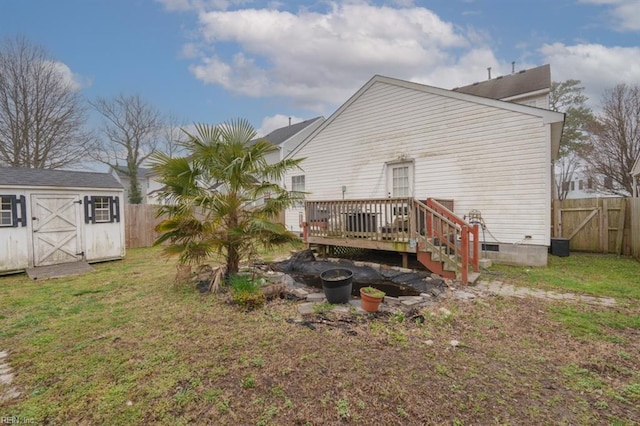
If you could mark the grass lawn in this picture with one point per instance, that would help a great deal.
(123, 345)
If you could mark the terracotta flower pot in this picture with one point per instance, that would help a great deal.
(370, 302)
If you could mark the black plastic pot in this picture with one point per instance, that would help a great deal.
(336, 284)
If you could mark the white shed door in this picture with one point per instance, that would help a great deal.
(56, 229)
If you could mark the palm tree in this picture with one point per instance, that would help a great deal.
(212, 193)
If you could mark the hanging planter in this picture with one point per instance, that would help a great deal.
(371, 298)
(336, 284)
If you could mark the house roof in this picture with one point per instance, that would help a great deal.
(555, 119)
(278, 136)
(508, 86)
(19, 176)
(142, 172)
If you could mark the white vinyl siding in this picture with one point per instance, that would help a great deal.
(488, 158)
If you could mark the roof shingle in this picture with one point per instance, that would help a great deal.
(20, 176)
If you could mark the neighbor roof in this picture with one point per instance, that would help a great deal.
(503, 87)
(19, 176)
(280, 135)
(142, 172)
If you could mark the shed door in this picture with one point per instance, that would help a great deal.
(56, 229)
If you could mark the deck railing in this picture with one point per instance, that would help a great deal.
(427, 226)
(377, 219)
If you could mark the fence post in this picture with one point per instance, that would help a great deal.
(465, 254)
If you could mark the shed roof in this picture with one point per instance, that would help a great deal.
(503, 87)
(20, 176)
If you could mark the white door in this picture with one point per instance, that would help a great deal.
(56, 229)
(400, 180)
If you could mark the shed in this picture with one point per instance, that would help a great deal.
(50, 217)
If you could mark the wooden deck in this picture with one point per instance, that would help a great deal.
(444, 243)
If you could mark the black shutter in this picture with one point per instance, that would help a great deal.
(114, 203)
(88, 217)
(14, 211)
(22, 202)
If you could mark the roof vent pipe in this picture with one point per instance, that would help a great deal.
(489, 70)
(513, 67)
(289, 121)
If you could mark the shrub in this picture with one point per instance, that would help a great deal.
(246, 292)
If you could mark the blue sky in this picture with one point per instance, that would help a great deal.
(212, 60)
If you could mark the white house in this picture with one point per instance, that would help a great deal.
(49, 217)
(287, 138)
(149, 185)
(399, 138)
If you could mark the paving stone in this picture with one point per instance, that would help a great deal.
(341, 309)
(6, 379)
(3, 354)
(306, 308)
(315, 297)
(405, 298)
(411, 302)
(390, 300)
(4, 369)
(301, 293)
(9, 394)
(494, 287)
(608, 301)
(464, 295)
(426, 295)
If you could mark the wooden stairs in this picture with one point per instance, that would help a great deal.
(446, 245)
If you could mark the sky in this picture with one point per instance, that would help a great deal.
(209, 61)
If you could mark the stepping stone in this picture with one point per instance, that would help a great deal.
(315, 297)
(306, 308)
(6, 379)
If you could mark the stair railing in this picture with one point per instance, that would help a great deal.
(439, 229)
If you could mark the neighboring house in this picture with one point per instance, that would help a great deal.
(635, 174)
(149, 185)
(527, 87)
(582, 186)
(49, 217)
(395, 138)
(287, 138)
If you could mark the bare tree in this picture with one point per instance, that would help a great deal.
(172, 137)
(615, 144)
(42, 115)
(130, 127)
(568, 97)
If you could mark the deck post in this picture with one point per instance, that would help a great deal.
(465, 254)
(405, 260)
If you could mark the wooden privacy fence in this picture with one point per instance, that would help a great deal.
(603, 225)
(140, 223)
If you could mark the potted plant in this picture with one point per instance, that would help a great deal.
(371, 298)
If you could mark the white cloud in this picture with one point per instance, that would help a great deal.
(320, 59)
(269, 124)
(598, 67)
(189, 5)
(75, 81)
(626, 13)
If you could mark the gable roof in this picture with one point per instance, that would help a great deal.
(20, 176)
(508, 86)
(142, 172)
(278, 136)
(555, 119)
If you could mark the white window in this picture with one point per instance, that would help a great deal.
(6, 212)
(297, 183)
(102, 209)
(400, 180)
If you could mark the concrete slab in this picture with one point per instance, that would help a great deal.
(59, 271)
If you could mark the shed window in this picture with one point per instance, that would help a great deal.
(6, 218)
(12, 210)
(101, 209)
